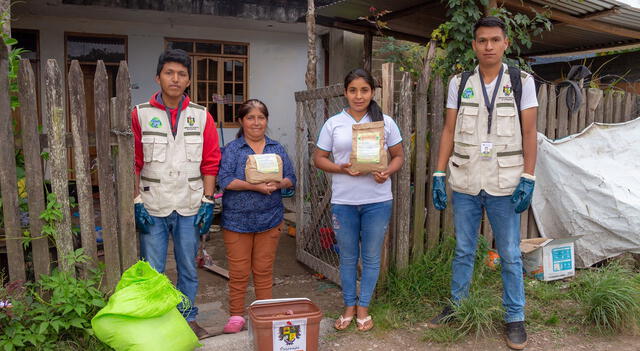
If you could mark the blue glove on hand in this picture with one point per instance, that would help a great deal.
(143, 219)
(439, 193)
(204, 218)
(522, 195)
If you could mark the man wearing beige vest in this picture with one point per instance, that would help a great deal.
(489, 145)
(176, 163)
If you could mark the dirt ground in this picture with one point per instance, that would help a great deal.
(293, 279)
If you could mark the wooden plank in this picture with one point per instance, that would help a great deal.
(486, 229)
(562, 115)
(533, 227)
(78, 113)
(33, 168)
(543, 102)
(58, 159)
(618, 108)
(599, 115)
(125, 160)
(420, 174)
(551, 113)
(403, 238)
(524, 224)
(608, 107)
(573, 121)
(436, 123)
(594, 97)
(301, 147)
(387, 108)
(628, 107)
(368, 51)
(8, 180)
(108, 206)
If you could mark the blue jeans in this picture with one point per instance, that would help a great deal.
(360, 227)
(505, 223)
(153, 248)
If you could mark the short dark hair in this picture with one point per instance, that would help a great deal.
(489, 21)
(174, 55)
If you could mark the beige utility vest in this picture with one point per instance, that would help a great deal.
(498, 174)
(170, 179)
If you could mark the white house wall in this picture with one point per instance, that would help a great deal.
(277, 60)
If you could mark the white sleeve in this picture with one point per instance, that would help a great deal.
(393, 136)
(325, 138)
(452, 95)
(529, 98)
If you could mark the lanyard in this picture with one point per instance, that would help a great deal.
(487, 103)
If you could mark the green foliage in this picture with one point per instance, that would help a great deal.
(53, 313)
(455, 35)
(407, 56)
(609, 298)
(14, 61)
(417, 292)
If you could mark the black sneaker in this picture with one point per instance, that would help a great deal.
(444, 317)
(516, 335)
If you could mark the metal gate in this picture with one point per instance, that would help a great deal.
(315, 243)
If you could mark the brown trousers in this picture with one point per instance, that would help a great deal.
(246, 253)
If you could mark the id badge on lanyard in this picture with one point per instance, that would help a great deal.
(486, 151)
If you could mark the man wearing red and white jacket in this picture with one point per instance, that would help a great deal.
(176, 161)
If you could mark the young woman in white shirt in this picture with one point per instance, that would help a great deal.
(360, 203)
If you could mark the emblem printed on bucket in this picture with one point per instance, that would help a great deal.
(290, 335)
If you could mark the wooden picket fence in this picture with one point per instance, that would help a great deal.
(115, 159)
(419, 111)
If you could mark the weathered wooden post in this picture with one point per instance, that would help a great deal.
(33, 168)
(78, 112)
(58, 150)
(122, 125)
(404, 241)
(8, 180)
(108, 207)
(421, 173)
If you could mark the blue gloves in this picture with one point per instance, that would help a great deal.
(522, 195)
(288, 192)
(143, 219)
(439, 191)
(204, 218)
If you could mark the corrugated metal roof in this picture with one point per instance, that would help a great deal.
(629, 17)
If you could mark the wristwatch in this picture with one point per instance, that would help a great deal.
(209, 197)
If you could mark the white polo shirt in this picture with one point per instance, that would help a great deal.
(335, 137)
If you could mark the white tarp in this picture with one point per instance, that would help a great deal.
(589, 184)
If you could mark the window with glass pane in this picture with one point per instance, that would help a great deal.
(27, 40)
(218, 81)
(91, 49)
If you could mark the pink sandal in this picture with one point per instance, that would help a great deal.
(234, 325)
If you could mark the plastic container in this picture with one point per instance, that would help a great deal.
(284, 325)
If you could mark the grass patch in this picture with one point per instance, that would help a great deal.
(610, 298)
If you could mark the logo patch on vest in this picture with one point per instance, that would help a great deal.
(506, 90)
(191, 121)
(468, 93)
(155, 122)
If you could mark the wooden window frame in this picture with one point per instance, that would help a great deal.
(94, 35)
(220, 79)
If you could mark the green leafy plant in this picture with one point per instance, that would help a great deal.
(609, 298)
(407, 56)
(14, 61)
(455, 35)
(53, 313)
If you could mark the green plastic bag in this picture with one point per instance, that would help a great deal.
(141, 314)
